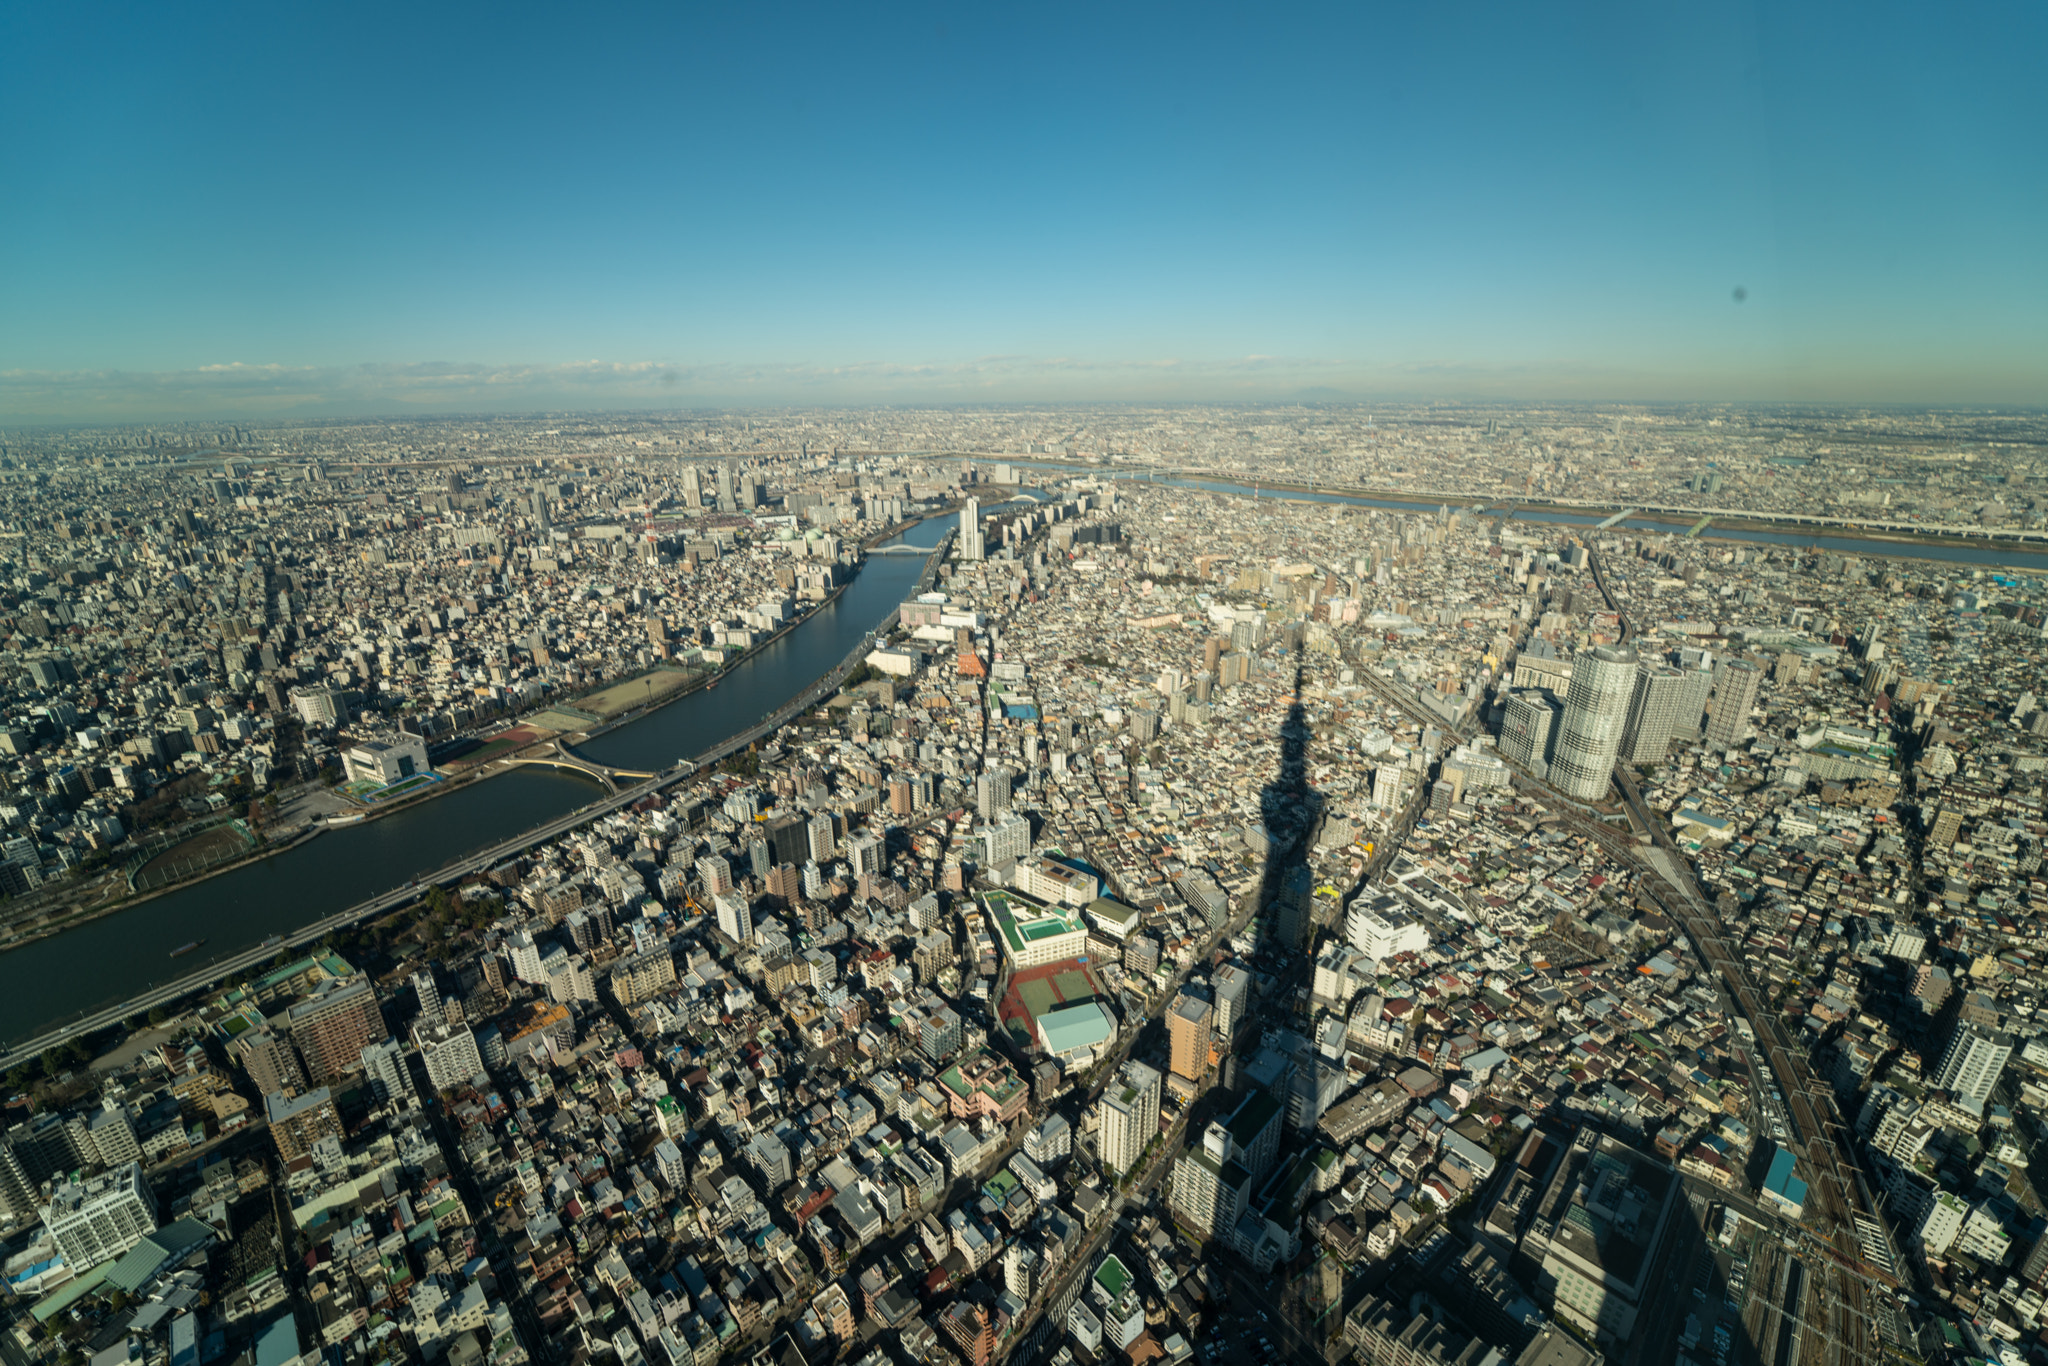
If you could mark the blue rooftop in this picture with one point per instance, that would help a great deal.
(278, 1343)
(1782, 1182)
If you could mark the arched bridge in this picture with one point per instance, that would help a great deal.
(555, 754)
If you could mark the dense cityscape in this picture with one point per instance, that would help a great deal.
(1307, 882)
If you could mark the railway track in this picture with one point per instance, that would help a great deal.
(1838, 1288)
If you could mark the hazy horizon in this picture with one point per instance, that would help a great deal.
(249, 213)
(282, 394)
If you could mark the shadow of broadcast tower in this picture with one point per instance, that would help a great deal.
(1291, 812)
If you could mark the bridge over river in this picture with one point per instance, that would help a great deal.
(555, 754)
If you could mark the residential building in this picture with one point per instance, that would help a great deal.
(1595, 713)
(297, 1123)
(1971, 1064)
(1735, 687)
(333, 1026)
(449, 1053)
(1187, 1029)
(1130, 1116)
(99, 1219)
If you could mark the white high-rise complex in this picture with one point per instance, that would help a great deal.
(1655, 714)
(1971, 1064)
(100, 1219)
(1130, 1116)
(1735, 682)
(1595, 713)
(971, 547)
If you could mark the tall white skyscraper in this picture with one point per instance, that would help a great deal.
(429, 994)
(389, 1078)
(992, 792)
(1130, 1116)
(1595, 713)
(1209, 1184)
(1526, 726)
(1735, 682)
(1971, 1064)
(971, 547)
(1233, 995)
(818, 833)
(735, 916)
(1653, 714)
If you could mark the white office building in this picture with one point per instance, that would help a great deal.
(1380, 928)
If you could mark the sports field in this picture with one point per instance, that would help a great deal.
(634, 692)
(1035, 991)
(517, 738)
(202, 850)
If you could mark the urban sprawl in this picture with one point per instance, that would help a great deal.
(1213, 923)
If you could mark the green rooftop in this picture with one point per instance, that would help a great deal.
(1024, 922)
(1113, 1277)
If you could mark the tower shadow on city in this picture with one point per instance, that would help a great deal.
(1291, 811)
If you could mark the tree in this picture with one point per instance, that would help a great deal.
(157, 1015)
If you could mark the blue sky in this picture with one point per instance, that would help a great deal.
(278, 209)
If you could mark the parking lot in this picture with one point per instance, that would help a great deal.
(1238, 1337)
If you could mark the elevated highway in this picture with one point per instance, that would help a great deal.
(625, 787)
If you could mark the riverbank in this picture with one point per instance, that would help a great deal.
(73, 987)
(1794, 525)
(459, 781)
(135, 900)
(293, 885)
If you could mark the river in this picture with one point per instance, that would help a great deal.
(117, 956)
(1996, 556)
